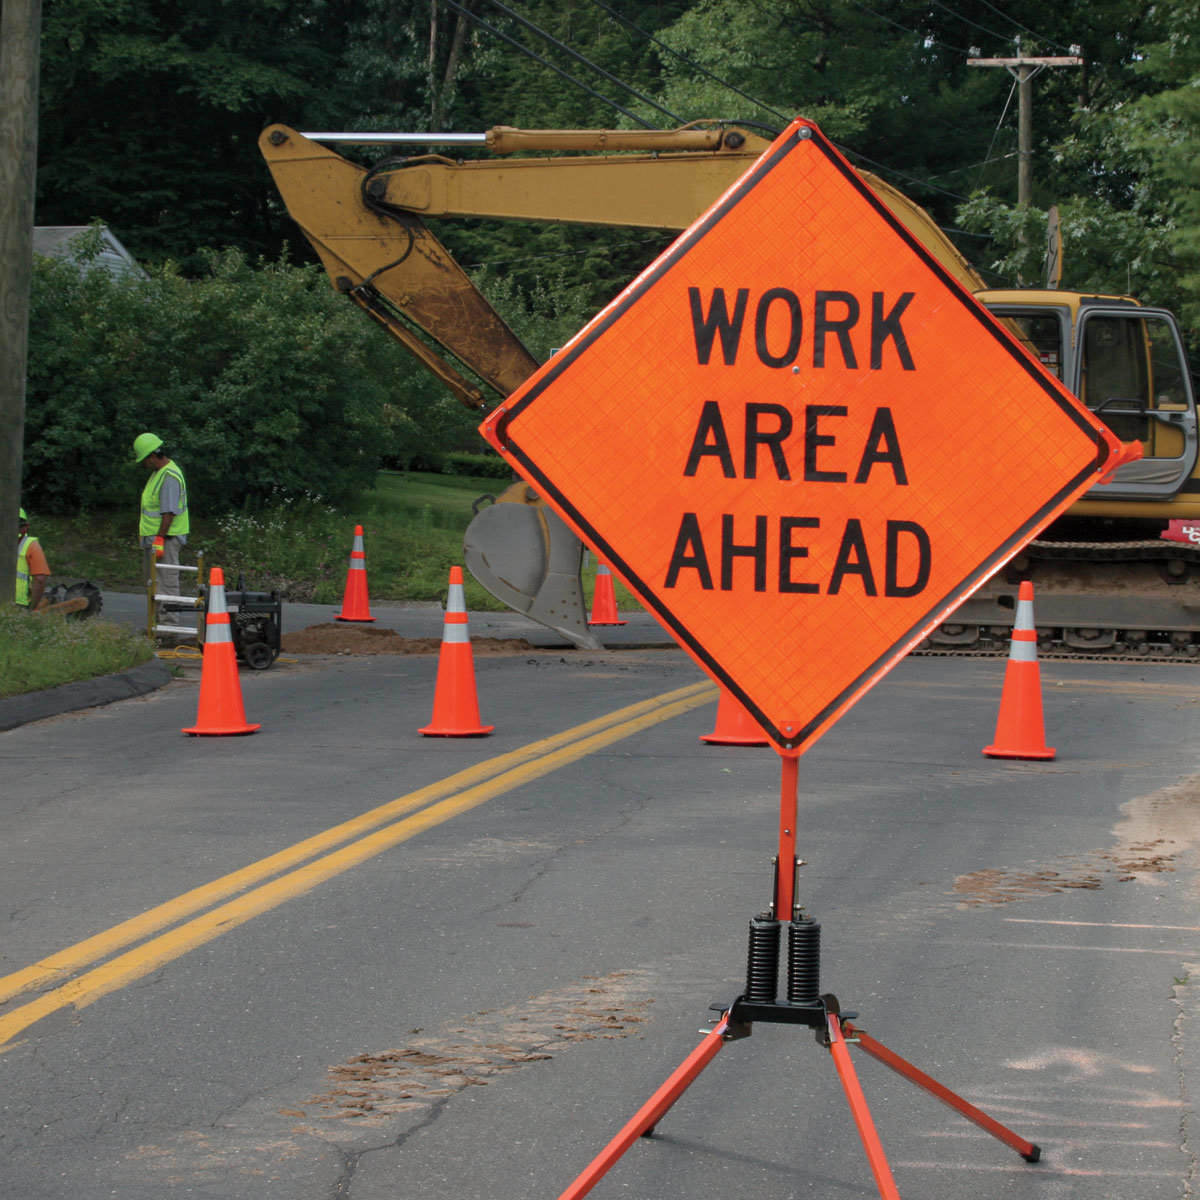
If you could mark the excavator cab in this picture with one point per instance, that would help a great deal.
(1128, 365)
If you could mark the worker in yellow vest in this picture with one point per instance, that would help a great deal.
(163, 524)
(32, 568)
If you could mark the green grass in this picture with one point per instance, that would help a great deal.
(43, 651)
(413, 526)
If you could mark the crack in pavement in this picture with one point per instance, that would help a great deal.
(377, 1100)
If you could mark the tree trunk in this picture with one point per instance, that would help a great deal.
(20, 27)
(441, 91)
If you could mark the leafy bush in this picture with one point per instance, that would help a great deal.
(488, 466)
(257, 378)
(292, 544)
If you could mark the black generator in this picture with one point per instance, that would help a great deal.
(256, 625)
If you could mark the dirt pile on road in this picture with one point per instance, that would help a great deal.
(336, 638)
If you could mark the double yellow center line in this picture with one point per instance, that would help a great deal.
(300, 868)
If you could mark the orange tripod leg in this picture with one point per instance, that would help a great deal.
(1029, 1151)
(858, 1109)
(651, 1112)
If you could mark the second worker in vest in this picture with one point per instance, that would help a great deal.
(163, 524)
(32, 568)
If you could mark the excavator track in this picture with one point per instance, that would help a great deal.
(1095, 601)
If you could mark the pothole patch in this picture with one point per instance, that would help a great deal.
(374, 1087)
(1152, 839)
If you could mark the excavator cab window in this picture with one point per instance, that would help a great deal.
(1042, 335)
(1042, 331)
(1115, 375)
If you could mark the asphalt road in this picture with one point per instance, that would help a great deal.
(337, 959)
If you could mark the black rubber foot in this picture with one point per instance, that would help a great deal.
(1035, 1155)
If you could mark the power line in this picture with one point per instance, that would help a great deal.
(882, 168)
(967, 21)
(691, 62)
(924, 37)
(586, 61)
(1023, 28)
(982, 162)
(996, 132)
(466, 12)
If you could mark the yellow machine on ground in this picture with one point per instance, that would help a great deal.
(1108, 583)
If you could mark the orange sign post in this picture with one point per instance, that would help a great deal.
(802, 444)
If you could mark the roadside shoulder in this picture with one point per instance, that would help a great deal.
(87, 693)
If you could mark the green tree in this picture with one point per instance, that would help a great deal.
(261, 379)
(150, 112)
(1119, 163)
(1166, 126)
(888, 82)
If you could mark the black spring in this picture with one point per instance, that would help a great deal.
(804, 962)
(762, 961)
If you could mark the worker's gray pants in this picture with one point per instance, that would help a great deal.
(168, 580)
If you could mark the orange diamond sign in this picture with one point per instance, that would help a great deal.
(799, 440)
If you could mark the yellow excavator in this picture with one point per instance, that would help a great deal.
(1112, 577)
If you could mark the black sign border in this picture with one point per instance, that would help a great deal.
(802, 136)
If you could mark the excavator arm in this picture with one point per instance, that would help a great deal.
(367, 224)
(391, 265)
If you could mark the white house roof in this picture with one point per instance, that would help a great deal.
(54, 241)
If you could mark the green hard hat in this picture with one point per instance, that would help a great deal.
(23, 515)
(145, 443)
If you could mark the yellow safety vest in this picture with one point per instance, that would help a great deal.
(23, 569)
(151, 515)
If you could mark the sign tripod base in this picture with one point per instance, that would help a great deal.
(804, 1005)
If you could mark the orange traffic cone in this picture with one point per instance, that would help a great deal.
(455, 706)
(735, 726)
(1020, 732)
(221, 712)
(604, 600)
(355, 605)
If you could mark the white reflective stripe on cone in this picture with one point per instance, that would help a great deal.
(456, 599)
(1024, 615)
(216, 633)
(1022, 651)
(455, 633)
(357, 564)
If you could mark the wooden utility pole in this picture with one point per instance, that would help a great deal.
(20, 29)
(1023, 68)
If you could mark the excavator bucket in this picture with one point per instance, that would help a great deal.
(527, 558)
